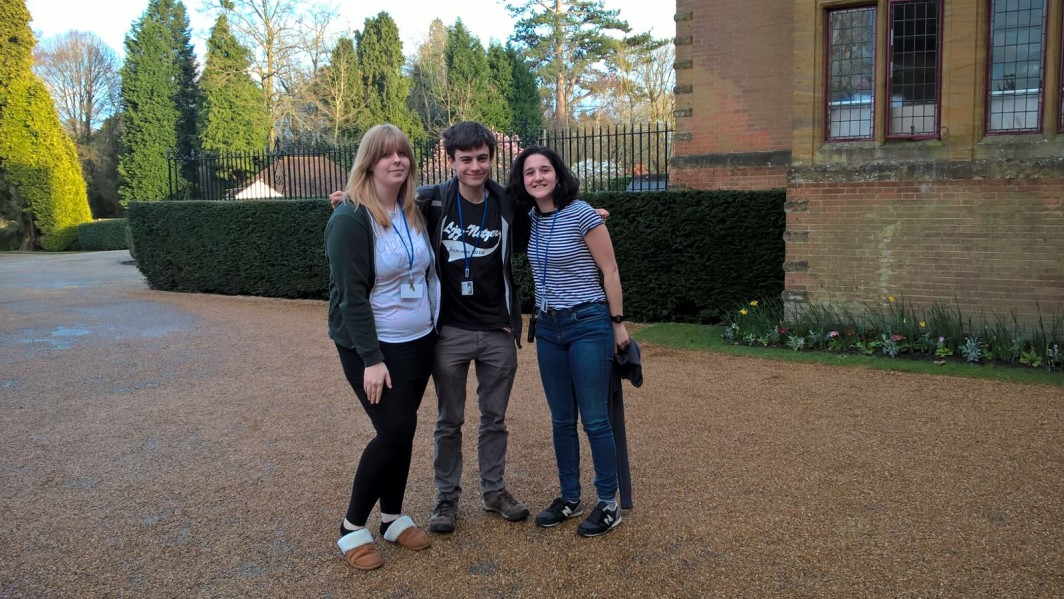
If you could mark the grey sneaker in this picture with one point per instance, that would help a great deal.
(501, 502)
(444, 517)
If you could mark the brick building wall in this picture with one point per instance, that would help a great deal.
(968, 219)
(965, 218)
(733, 117)
(984, 246)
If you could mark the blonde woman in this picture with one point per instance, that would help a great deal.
(383, 306)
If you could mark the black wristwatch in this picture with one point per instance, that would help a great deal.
(617, 318)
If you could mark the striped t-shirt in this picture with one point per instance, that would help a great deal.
(564, 271)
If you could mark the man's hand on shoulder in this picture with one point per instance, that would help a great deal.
(338, 196)
(602, 212)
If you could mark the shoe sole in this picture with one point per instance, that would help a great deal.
(508, 518)
(572, 515)
(599, 534)
(440, 528)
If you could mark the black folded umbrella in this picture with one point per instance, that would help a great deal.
(626, 366)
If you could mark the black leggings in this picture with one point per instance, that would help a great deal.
(385, 463)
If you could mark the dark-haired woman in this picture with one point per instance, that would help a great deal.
(578, 327)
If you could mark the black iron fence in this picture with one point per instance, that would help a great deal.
(609, 158)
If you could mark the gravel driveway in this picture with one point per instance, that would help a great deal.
(167, 445)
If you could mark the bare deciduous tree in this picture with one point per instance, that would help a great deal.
(287, 39)
(81, 73)
(638, 86)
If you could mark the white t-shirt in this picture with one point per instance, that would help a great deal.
(400, 319)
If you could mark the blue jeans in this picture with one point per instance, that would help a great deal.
(575, 348)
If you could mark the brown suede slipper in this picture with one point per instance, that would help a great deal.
(413, 538)
(364, 557)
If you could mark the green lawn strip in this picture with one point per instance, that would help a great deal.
(707, 338)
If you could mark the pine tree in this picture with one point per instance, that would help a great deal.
(498, 112)
(566, 41)
(469, 80)
(523, 96)
(41, 187)
(159, 100)
(232, 115)
(380, 58)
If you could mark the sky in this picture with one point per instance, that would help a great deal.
(487, 19)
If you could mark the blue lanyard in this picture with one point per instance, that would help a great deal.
(461, 226)
(543, 259)
(410, 251)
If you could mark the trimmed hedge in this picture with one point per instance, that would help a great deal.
(103, 235)
(267, 248)
(684, 256)
(690, 256)
(693, 256)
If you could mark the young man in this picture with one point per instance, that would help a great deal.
(475, 230)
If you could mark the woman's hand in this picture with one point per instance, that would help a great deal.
(374, 380)
(621, 339)
(335, 198)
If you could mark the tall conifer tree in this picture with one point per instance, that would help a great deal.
(469, 80)
(567, 42)
(380, 57)
(523, 96)
(233, 113)
(159, 101)
(41, 187)
(497, 109)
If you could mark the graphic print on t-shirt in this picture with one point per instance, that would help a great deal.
(476, 243)
(479, 301)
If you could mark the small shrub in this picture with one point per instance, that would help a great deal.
(972, 350)
(796, 343)
(102, 235)
(890, 345)
(1030, 357)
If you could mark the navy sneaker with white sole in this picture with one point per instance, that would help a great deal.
(600, 521)
(559, 510)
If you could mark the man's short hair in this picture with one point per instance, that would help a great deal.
(466, 136)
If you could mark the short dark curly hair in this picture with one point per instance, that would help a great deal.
(565, 192)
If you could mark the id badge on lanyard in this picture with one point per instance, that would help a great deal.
(467, 283)
(411, 290)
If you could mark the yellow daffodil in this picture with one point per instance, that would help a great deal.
(743, 311)
(753, 303)
(923, 324)
(890, 298)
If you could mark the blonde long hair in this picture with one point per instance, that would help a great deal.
(379, 141)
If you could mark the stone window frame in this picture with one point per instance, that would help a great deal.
(1060, 78)
(892, 86)
(991, 83)
(884, 83)
(851, 103)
